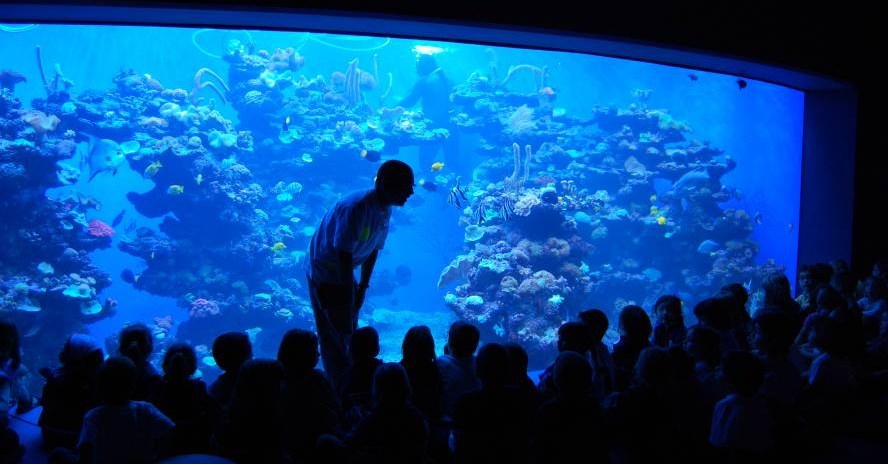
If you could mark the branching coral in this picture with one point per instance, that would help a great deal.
(353, 83)
(513, 181)
(198, 85)
(539, 74)
(52, 89)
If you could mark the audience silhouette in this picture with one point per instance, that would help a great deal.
(802, 379)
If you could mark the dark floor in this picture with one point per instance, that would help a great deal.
(847, 450)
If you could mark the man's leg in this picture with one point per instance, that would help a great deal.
(333, 320)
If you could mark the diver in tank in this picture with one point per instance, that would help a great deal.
(351, 234)
(432, 90)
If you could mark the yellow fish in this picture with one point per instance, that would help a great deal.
(661, 221)
(655, 211)
(437, 166)
(153, 168)
(278, 247)
(654, 198)
(198, 179)
(175, 189)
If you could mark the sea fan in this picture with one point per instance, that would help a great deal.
(521, 121)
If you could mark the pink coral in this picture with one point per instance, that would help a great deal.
(98, 228)
(368, 82)
(65, 148)
(203, 307)
(285, 59)
(40, 121)
(337, 80)
(164, 322)
(525, 203)
(558, 247)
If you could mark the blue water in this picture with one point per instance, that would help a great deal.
(760, 127)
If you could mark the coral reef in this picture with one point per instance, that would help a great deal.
(585, 222)
(48, 285)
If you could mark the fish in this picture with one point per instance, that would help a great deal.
(199, 178)
(130, 227)
(278, 247)
(118, 218)
(693, 77)
(286, 125)
(428, 185)
(33, 331)
(129, 277)
(741, 84)
(456, 195)
(757, 218)
(708, 246)
(506, 209)
(690, 181)
(176, 189)
(403, 275)
(370, 155)
(103, 156)
(478, 214)
(153, 168)
(437, 166)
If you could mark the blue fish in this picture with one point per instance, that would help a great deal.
(427, 185)
(118, 218)
(371, 155)
(103, 156)
(403, 275)
(690, 181)
(128, 276)
(708, 246)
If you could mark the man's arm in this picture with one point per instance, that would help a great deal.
(413, 97)
(347, 278)
(367, 269)
(366, 272)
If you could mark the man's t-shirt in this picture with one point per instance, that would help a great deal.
(357, 224)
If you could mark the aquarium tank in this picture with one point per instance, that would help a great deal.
(174, 176)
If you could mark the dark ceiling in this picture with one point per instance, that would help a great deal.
(827, 40)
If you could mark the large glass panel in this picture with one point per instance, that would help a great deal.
(175, 176)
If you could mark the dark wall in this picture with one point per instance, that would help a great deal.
(836, 39)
